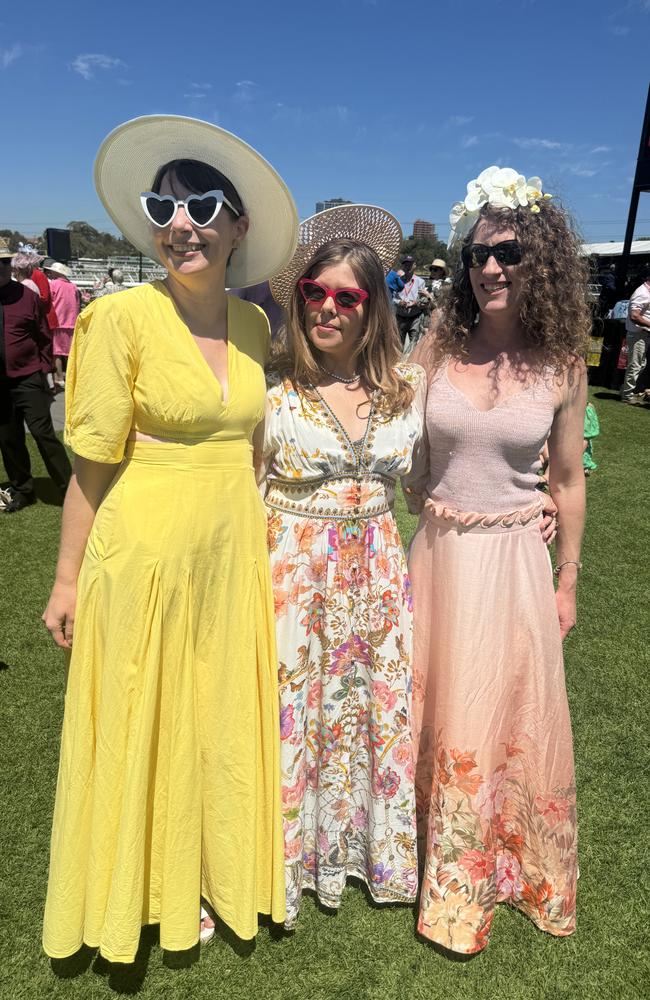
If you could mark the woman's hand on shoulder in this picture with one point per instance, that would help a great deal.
(60, 613)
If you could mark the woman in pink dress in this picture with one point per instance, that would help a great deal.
(66, 301)
(495, 775)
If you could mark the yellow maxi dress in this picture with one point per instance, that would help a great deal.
(169, 784)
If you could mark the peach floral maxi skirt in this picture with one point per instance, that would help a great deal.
(495, 776)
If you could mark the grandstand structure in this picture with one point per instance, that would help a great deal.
(88, 272)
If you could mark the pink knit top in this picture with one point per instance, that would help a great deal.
(486, 461)
(65, 302)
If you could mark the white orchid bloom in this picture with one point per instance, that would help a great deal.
(502, 187)
(461, 222)
(476, 198)
(509, 188)
(484, 179)
(534, 188)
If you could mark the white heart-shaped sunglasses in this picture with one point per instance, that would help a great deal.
(200, 209)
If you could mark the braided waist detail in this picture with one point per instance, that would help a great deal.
(338, 497)
(435, 509)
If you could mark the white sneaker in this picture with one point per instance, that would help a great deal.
(5, 498)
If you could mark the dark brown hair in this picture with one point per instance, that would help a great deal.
(554, 312)
(378, 348)
(198, 178)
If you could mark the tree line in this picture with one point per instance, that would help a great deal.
(85, 241)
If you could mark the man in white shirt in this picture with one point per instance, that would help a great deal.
(637, 331)
(411, 304)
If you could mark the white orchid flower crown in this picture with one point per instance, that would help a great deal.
(502, 187)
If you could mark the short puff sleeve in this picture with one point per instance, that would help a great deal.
(99, 381)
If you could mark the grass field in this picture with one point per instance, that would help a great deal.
(365, 951)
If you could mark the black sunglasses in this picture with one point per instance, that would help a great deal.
(478, 254)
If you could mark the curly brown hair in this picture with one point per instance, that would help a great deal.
(378, 349)
(554, 312)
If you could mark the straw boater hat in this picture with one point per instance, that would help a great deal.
(439, 262)
(58, 268)
(368, 224)
(130, 156)
(5, 252)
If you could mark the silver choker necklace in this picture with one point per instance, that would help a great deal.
(339, 378)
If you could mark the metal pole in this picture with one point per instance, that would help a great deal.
(624, 259)
(638, 186)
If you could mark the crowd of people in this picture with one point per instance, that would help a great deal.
(264, 695)
(38, 311)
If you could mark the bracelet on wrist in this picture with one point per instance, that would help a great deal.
(567, 562)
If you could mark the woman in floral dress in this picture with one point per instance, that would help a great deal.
(342, 420)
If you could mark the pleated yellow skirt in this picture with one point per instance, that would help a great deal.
(168, 783)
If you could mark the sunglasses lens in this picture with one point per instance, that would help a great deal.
(160, 211)
(508, 252)
(201, 211)
(313, 292)
(475, 255)
(347, 299)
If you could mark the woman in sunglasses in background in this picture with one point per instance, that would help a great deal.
(495, 775)
(169, 784)
(341, 426)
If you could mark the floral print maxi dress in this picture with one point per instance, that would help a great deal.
(344, 622)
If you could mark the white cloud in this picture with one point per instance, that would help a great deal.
(195, 96)
(539, 144)
(600, 149)
(459, 120)
(245, 92)
(86, 65)
(10, 55)
(201, 86)
(340, 112)
(580, 170)
(469, 140)
(288, 113)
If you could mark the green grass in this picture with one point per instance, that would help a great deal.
(363, 951)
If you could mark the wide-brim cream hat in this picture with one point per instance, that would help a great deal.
(58, 268)
(129, 158)
(367, 224)
(439, 262)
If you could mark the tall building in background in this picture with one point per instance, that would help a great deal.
(332, 203)
(423, 230)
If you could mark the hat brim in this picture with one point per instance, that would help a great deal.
(368, 224)
(130, 156)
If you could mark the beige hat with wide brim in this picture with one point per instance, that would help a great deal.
(58, 268)
(5, 252)
(367, 224)
(439, 262)
(129, 158)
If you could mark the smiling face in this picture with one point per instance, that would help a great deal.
(333, 332)
(496, 287)
(186, 249)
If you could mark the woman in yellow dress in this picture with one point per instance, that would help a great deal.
(168, 787)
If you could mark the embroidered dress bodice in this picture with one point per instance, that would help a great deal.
(486, 460)
(314, 469)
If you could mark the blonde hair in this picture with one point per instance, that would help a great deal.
(378, 349)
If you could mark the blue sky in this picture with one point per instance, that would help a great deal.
(396, 105)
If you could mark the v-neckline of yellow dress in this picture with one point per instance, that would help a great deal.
(225, 401)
